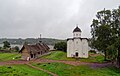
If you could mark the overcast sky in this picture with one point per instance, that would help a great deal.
(51, 18)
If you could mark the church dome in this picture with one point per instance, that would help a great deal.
(77, 29)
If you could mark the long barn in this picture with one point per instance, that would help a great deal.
(34, 51)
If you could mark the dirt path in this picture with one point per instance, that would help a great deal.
(74, 63)
(41, 60)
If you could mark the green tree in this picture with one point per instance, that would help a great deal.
(106, 33)
(116, 32)
(6, 44)
(100, 30)
(0, 48)
(16, 48)
(61, 46)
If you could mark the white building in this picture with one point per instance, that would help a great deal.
(77, 46)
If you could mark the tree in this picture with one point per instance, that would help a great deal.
(0, 48)
(100, 30)
(106, 33)
(61, 46)
(116, 32)
(6, 44)
(16, 48)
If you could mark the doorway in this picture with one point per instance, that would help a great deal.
(31, 55)
(76, 54)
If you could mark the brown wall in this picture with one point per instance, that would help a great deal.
(25, 54)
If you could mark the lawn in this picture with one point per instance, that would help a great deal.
(83, 70)
(59, 55)
(98, 58)
(20, 70)
(9, 56)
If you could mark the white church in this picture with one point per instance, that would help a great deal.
(77, 46)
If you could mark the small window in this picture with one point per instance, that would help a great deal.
(38, 52)
(76, 34)
(83, 53)
(77, 42)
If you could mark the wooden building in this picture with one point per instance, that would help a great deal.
(33, 51)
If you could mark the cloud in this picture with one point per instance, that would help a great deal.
(51, 18)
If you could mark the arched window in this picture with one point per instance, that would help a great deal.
(76, 34)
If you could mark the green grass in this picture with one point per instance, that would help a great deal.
(68, 70)
(9, 56)
(59, 55)
(20, 70)
(99, 58)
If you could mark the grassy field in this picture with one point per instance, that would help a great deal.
(9, 56)
(59, 55)
(98, 58)
(83, 70)
(20, 70)
(59, 68)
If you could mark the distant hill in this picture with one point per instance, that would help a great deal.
(20, 41)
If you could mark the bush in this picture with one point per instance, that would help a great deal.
(92, 51)
(61, 46)
(0, 48)
(16, 48)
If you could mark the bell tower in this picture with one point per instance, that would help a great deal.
(77, 32)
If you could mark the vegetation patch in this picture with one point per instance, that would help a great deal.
(60, 55)
(57, 55)
(9, 56)
(20, 70)
(93, 58)
(68, 70)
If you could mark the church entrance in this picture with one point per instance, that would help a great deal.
(76, 54)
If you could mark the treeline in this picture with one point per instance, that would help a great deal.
(7, 47)
(105, 31)
(20, 41)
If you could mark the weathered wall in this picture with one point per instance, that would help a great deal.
(25, 54)
(77, 45)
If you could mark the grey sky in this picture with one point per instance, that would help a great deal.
(51, 18)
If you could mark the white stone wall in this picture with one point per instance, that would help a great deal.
(85, 48)
(77, 45)
(76, 34)
(70, 47)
